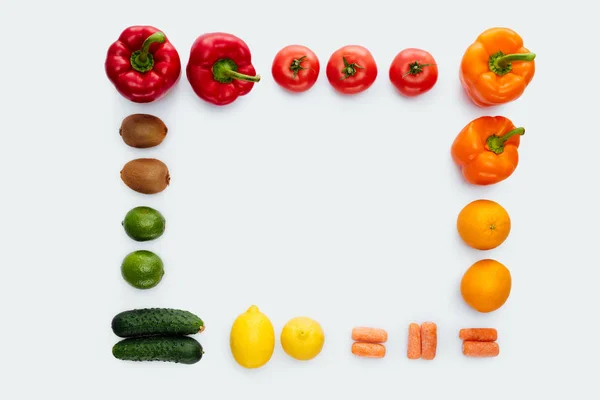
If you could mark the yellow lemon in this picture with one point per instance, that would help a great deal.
(252, 339)
(302, 338)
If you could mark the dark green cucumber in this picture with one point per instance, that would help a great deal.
(156, 322)
(176, 349)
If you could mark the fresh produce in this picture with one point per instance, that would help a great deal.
(369, 342)
(428, 340)
(144, 223)
(483, 224)
(296, 68)
(252, 339)
(142, 64)
(413, 72)
(368, 350)
(143, 131)
(156, 322)
(479, 342)
(142, 269)
(351, 69)
(479, 334)
(480, 349)
(220, 68)
(302, 338)
(414, 342)
(146, 175)
(496, 68)
(422, 341)
(369, 335)
(486, 285)
(486, 150)
(176, 349)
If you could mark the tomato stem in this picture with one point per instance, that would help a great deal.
(296, 65)
(349, 69)
(415, 68)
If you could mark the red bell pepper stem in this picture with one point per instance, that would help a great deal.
(496, 143)
(243, 77)
(225, 71)
(142, 60)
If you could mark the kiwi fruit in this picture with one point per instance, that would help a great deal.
(146, 175)
(143, 131)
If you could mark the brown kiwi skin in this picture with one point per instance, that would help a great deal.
(146, 175)
(143, 131)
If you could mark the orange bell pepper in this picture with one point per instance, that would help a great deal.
(487, 150)
(496, 68)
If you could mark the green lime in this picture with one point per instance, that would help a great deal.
(142, 269)
(143, 224)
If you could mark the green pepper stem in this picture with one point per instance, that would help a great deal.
(243, 77)
(225, 71)
(496, 143)
(517, 131)
(501, 64)
(157, 37)
(141, 60)
(507, 59)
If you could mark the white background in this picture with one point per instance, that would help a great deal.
(342, 209)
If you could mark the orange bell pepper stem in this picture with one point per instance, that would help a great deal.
(496, 68)
(496, 143)
(486, 150)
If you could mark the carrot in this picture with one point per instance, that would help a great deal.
(479, 334)
(428, 340)
(369, 335)
(369, 350)
(480, 349)
(414, 342)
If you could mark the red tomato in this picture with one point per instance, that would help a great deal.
(413, 72)
(296, 68)
(351, 69)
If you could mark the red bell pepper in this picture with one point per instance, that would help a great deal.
(142, 64)
(220, 68)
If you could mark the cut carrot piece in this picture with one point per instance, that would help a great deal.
(369, 350)
(479, 334)
(428, 340)
(480, 349)
(369, 335)
(414, 342)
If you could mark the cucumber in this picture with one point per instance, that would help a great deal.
(176, 349)
(156, 322)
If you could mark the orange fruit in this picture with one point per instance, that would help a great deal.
(486, 285)
(483, 224)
